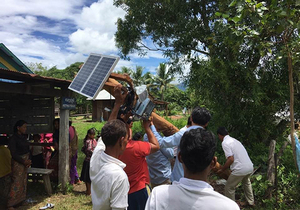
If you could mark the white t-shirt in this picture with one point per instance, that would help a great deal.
(110, 184)
(242, 164)
(188, 194)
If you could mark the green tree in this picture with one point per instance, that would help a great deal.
(238, 79)
(179, 97)
(274, 27)
(162, 79)
(126, 70)
(35, 67)
(137, 76)
(148, 78)
(70, 72)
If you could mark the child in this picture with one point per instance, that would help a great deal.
(89, 144)
(47, 138)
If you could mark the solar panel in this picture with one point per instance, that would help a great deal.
(93, 74)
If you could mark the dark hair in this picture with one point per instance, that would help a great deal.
(197, 149)
(90, 131)
(222, 131)
(120, 112)
(19, 124)
(70, 123)
(200, 116)
(112, 131)
(189, 121)
(130, 119)
(296, 125)
(137, 136)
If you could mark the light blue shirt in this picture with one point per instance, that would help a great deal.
(159, 164)
(173, 141)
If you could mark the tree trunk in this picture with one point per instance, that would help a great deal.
(280, 153)
(271, 163)
(271, 169)
(291, 83)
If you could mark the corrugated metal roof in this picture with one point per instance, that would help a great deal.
(15, 59)
(27, 77)
(3, 66)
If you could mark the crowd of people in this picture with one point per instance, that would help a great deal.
(126, 171)
(17, 155)
(134, 172)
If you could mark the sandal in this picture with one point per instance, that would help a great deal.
(48, 206)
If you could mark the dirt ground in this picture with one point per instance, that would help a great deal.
(74, 199)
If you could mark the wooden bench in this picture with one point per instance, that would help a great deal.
(45, 174)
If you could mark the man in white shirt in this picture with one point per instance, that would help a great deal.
(200, 118)
(197, 149)
(240, 165)
(110, 184)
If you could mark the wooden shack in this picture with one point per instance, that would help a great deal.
(30, 97)
(101, 106)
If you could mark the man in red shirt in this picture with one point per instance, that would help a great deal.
(136, 168)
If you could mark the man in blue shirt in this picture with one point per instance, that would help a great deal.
(159, 165)
(199, 119)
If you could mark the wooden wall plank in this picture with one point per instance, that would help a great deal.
(37, 111)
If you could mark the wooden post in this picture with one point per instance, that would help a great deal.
(276, 179)
(95, 111)
(63, 167)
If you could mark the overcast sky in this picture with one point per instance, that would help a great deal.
(61, 32)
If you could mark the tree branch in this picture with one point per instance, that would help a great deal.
(151, 49)
(200, 51)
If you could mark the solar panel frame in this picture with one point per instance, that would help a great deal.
(82, 71)
(89, 79)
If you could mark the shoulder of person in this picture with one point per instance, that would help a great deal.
(228, 203)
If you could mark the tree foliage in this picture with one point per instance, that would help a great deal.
(234, 48)
(162, 79)
(178, 97)
(68, 73)
(137, 76)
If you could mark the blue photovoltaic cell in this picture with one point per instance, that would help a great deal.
(85, 72)
(98, 76)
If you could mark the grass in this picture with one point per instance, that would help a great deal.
(75, 198)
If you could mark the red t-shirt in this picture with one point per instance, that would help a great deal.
(136, 168)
